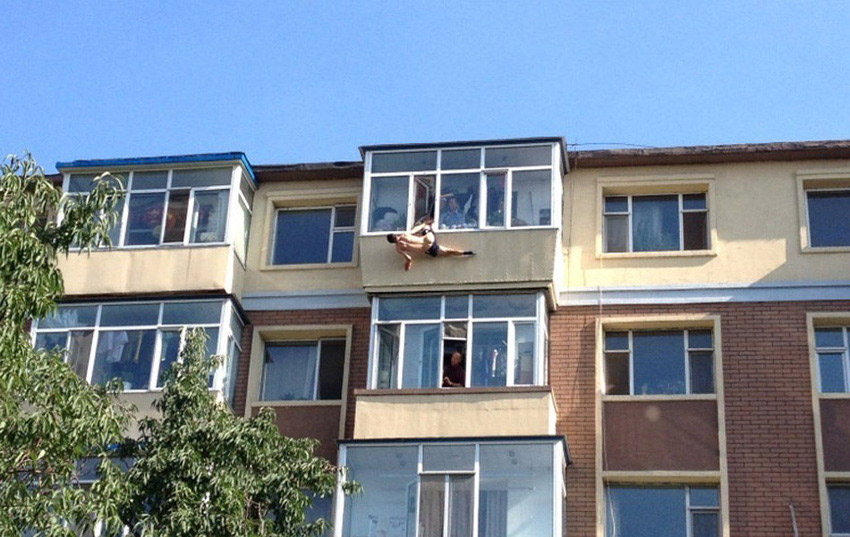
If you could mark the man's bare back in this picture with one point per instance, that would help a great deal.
(421, 239)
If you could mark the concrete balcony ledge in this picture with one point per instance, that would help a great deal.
(454, 412)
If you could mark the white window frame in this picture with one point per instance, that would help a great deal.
(630, 218)
(845, 357)
(687, 351)
(540, 335)
(559, 491)
(234, 196)
(481, 170)
(223, 326)
(690, 509)
(809, 221)
(282, 343)
(333, 230)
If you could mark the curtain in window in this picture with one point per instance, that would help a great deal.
(493, 513)
(655, 223)
(210, 216)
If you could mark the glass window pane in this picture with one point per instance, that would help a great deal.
(829, 337)
(461, 159)
(502, 157)
(209, 216)
(232, 371)
(839, 508)
(691, 202)
(617, 373)
(524, 305)
(642, 511)
(331, 367)
(169, 351)
(150, 180)
(191, 312)
(421, 356)
(704, 497)
(496, 199)
(81, 182)
(200, 178)
(829, 218)
(459, 201)
(461, 489)
(424, 190)
(700, 339)
(407, 161)
(695, 231)
(175, 216)
(212, 349)
(320, 508)
(515, 485)
(432, 505)
(289, 372)
(616, 341)
(51, 341)
(387, 505)
(407, 308)
(706, 524)
(345, 216)
(242, 231)
(125, 354)
(388, 206)
(457, 307)
(129, 314)
(616, 233)
(70, 317)
(831, 372)
(342, 250)
(144, 219)
(532, 192)
(489, 354)
(302, 236)
(659, 362)
(655, 223)
(616, 204)
(388, 348)
(524, 337)
(79, 351)
(702, 372)
(437, 458)
(247, 190)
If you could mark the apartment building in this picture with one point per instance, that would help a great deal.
(647, 342)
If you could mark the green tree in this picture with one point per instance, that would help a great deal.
(202, 471)
(49, 417)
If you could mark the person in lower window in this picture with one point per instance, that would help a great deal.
(421, 239)
(454, 373)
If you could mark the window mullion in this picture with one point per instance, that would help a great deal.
(446, 493)
(688, 363)
(629, 218)
(846, 360)
(509, 199)
(190, 219)
(400, 366)
(331, 234)
(511, 361)
(94, 344)
(157, 356)
(681, 223)
(315, 394)
(411, 201)
(631, 365)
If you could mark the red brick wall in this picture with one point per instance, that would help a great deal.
(358, 318)
(769, 419)
(770, 429)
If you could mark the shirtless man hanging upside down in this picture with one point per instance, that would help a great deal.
(423, 240)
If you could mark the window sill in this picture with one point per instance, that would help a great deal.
(475, 230)
(308, 266)
(825, 249)
(647, 255)
(659, 397)
(834, 395)
(320, 402)
(450, 391)
(151, 247)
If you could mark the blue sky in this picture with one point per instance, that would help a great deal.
(311, 81)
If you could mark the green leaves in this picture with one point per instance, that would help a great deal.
(200, 470)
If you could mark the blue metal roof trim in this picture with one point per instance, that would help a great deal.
(173, 159)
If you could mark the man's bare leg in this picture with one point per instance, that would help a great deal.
(452, 252)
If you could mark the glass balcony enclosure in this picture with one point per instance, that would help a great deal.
(513, 487)
(136, 342)
(476, 340)
(184, 201)
(468, 187)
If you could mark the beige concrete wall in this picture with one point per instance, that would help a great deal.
(456, 414)
(149, 270)
(757, 216)
(513, 258)
(263, 277)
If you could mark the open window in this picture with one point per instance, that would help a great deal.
(458, 340)
(499, 187)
